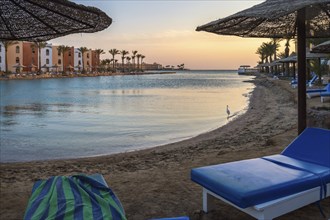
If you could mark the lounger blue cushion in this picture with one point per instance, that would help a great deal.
(250, 182)
(312, 145)
(325, 89)
(322, 172)
(325, 94)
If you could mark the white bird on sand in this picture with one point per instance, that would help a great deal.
(228, 112)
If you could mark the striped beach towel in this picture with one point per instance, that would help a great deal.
(76, 197)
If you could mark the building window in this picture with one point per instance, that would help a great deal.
(59, 53)
(0, 58)
(59, 61)
(87, 63)
(79, 62)
(69, 53)
(79, 54)
(17, 59)
(33, 50)
(0, 48)
(88, 55)
(17, 49)
(47, 52)
(47, 61)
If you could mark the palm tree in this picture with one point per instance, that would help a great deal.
(287, 54)
(123, 54)
(128, 59)
(134, 52)
(142, 57)
(62, 49)
(98, 53)
(6, 44)
(103, 64)
(138, 56)
(107, 63)
(115, 62)
(39, 45)
(268, 52)
(82, 50)
(275, 45)
(113, 52)
(261, 52)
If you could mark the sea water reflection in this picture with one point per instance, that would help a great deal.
(79, 117)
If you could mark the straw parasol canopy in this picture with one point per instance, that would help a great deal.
(42, 20)
(70, 67)
(32, 66)
(309, 56)
(281, 19)
(18, 65)
(274, 19)
(322, 48)
(289, 59)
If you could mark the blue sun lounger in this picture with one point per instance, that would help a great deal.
(325, 96)
(271, 186)
(74, 197)
(318, 92)
(294, 82)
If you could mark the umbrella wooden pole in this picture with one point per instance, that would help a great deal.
(301, 28)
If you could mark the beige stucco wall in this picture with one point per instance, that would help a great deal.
(55, 59)
(88, 60)
(12, 55)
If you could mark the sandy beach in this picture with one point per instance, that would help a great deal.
(156, 182)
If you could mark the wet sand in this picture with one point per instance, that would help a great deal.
(156, 182)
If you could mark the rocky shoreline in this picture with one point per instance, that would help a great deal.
(32, 76)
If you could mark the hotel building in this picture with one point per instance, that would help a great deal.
(15, 57)
(46, 58)
(77, 58)
(24, 57)
(2, 57)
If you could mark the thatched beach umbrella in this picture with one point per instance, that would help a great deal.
(322, 48)
(42, 20)
(55, 67)
(281, 19)
(32, 66)
(289, 59)
(18, 67)
(45, 66)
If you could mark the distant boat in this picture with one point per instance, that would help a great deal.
(246, 70)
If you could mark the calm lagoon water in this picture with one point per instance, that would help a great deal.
(79, 117)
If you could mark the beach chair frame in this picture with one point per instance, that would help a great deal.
(325, 97)
(271, 209)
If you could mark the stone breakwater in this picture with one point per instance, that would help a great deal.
(31, 76)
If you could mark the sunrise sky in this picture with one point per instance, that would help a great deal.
(164, 31)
